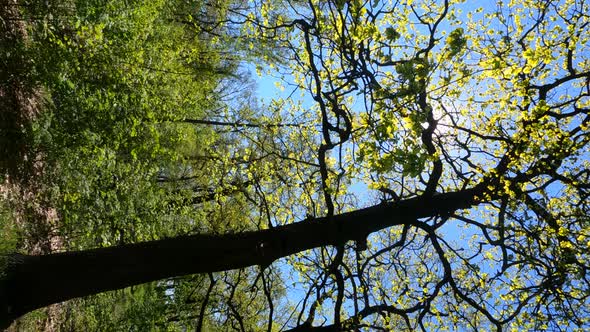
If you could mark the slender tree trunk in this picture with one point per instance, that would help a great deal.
(36, 281)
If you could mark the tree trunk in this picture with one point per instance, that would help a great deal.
(33, 282)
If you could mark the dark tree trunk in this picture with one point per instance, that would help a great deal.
(36, 281)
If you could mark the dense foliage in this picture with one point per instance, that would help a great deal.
(151, 129)
(120, 150)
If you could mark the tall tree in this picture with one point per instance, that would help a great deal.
(468, 128)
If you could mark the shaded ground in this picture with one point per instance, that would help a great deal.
(20, 165)
(19, 99)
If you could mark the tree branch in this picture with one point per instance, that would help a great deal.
(36, 281)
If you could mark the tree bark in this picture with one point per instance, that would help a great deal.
(33, 282)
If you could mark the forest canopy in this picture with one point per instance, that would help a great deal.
(419, 165)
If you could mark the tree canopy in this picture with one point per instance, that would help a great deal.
(421, 165)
